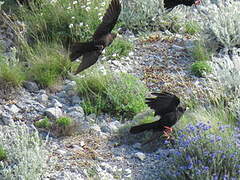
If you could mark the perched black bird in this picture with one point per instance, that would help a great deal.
(169, 4)
(101, 38)
(166, 106)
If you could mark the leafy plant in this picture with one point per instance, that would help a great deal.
(26, 154)
(115, 93)
(221, 24)
(48, 65)
(11, 74)
(200, 67)
(43, 123)
(64, 20)
(64, 121)
(64, 126)
(140, 15)
(205, 148)
(119, 48)
(3, 154)
(192, 27)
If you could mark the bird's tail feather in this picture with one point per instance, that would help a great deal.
(146, 127)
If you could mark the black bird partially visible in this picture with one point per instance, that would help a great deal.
(166, 106)
(169, 4)
(101, 38)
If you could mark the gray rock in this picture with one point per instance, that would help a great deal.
(61, 151)
(42, 91)
(76, 108)
(76, 100)
(95, 129)
(91, 118)
(56, 103)
(31, 86)
(137, 145)
(106, 166)
(61, 94)
(78, 117)
(70, 85)
(127, 172)
(111, 127)
(70, 93)
(53, 113)
(5, 118)
(13, 109)
(140, 155)
(42, 98)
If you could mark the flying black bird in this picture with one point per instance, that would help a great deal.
(101, 38)
(169, 4)
(166, 106)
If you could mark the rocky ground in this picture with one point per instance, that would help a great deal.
(162, 61)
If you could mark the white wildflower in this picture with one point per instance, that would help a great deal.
(74, 2)
(114, 55)
(81, 24)
(70, 26)
(69, 8)
(53, 1)
(73, 17)
(83, 6)
(88, 8)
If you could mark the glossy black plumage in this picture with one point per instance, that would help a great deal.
(101, 38)
(166, 106)
(169, 4)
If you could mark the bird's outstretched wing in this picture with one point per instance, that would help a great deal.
(88, 60)
(109, 20)
(163, 103)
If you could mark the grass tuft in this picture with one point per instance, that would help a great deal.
(119, 48)
(115, 93)
(48, 65)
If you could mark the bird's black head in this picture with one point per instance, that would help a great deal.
(181, 109)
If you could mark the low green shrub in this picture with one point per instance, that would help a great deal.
(48, 65)
(64, 121)
(115, 93)
(43, 123)
(64, 126)
(221, 25)
(200, 67)
(192, 27)
(64, 20)
(206, 148)
(199, 52)
(119, 48)
(3, 154)
(11, 74)
(26, 153)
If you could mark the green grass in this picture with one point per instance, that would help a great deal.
(48, 65)
(192, 27)
(3, 154)
(200, 67)
(43, 123)
(64, 121)
(11, 74)
(64, 20)
(64, 126)
(200, 52)
(115, 93)
(119, 48)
